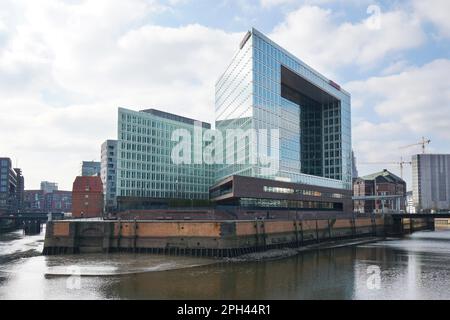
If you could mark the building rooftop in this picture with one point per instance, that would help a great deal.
(387, 175)
(88, 183)
(174, 117)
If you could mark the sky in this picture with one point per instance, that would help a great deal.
(67, 65)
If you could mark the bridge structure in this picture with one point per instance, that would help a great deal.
(439, 215)
(38, 216)
(395, 199)
(402, 223)
(30, 222)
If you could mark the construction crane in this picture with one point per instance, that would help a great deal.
(400, 163)
(422, 143)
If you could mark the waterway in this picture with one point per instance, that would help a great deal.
(415, 267)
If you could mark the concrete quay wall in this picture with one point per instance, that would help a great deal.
(210, 238)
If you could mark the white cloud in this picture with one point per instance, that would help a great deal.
(66, 67)
(399, 109)
(417, 98)
(396, 67)
(313, 35)
(272, 3)
(436, 12)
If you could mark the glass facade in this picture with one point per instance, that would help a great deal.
(266, 87)
(144, 163)
(431, 182)
(259, 203)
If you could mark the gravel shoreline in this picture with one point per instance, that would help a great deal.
(289, 252)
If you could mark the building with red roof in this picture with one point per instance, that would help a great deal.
(87, 197)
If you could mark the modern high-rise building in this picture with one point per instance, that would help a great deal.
(266, 87)
(49, 187)
(108, 173)
(305, 116)
(90, 168)
(146, 173)
(431, 182)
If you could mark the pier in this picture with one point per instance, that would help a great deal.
(223, 238)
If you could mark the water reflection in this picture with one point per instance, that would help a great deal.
(417, 267)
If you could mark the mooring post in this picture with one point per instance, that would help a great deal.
(119, 234)
(353, 225)
(256, 233)
(301, 229)
(264, 234)
(135, 227)
(329, 229)
(317, 231)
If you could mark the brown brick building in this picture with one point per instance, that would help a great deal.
(87, 197)
(383, 183)
(55, 201)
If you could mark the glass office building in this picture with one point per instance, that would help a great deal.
(431, 182)
(144, 165)
(266, 87)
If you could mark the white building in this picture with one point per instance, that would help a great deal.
(410, 208)
(108, 172)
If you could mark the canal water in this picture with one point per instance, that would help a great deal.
(415, 267)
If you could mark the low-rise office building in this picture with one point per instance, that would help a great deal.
(58, 201)
(34, 201)
(49, 187)
(266, 194)
(43, 201)
(11, 187)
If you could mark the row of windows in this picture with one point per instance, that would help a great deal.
(144, 123)
(164, 194)
(162, 185)
(286, 204)
(302, 192)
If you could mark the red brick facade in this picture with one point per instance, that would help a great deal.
(383, 183)
(87, 197)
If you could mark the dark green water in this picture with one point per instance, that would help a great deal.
(416, 267)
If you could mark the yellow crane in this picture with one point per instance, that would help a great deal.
(422, 143)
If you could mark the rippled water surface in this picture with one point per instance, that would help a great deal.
(416, 267)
